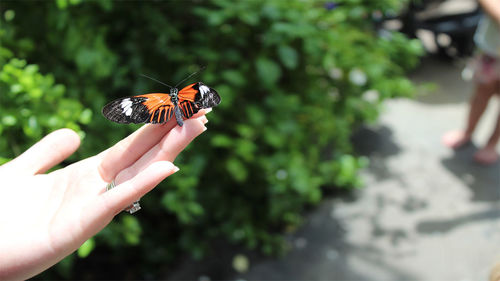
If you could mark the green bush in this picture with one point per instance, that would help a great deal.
(32, 105)
(295, 79)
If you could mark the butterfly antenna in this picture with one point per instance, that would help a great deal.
(144, 75)
(191, 75)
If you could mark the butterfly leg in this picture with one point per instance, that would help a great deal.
(178, 115)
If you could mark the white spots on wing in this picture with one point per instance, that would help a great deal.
(203, 90)
(126, 103)
(128, 112)
(126, 106)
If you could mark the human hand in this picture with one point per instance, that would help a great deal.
(45, 217)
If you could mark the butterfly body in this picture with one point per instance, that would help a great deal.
(157, 108)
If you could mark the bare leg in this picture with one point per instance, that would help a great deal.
(478, 103)
(488, 154)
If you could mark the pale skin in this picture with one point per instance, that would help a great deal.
(47, 216)
(482, 95)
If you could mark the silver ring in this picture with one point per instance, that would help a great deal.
(132, 208)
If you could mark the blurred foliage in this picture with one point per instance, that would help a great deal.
(295, 77)
(31, 105)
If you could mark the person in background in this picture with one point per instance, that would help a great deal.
(487, 78)
(495, 272)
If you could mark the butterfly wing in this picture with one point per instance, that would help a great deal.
(159, 108)
(150, 108)
(196, 96)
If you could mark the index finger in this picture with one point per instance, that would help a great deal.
(128, 150)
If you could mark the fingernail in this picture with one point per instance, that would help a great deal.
(208, 110)
(176, 169)
(204, 128)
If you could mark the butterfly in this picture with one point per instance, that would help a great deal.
(158, 108)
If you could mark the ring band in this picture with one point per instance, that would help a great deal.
(132, 208)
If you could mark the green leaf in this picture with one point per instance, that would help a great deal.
(245, 131)
(195, 208)
(348, 168)
(4, 160)
(234, 77)
(245, 149)
(62, 4)
(220, 140)
(288, 56)
(86, 116)
(86, 248)
(9, 120)
(268, 71)
(250, 18)
(273, 139)
(9, 15)
(236, 169)
(132, 230)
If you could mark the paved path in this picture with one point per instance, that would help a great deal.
(426, 213)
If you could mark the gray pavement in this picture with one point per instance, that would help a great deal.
(426, 212)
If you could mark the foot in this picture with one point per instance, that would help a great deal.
(486, 156)
(455, 139)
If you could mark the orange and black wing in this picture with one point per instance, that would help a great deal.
(196, 96)
(149, 108)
